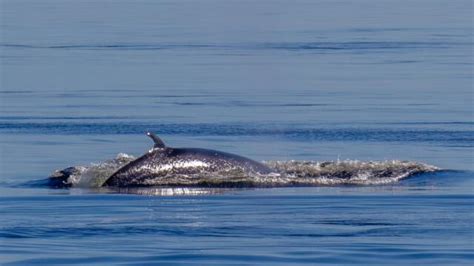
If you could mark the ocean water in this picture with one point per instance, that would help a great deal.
(337, 81)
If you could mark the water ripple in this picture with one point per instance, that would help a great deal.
(288, 46)
(463, 137)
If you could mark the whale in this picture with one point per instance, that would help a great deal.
(165, 167)
(162, 161)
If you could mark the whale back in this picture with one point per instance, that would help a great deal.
(172, 162)
(167, 162)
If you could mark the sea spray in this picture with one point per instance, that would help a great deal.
(93, 175)
(348, 172)
(287, 173)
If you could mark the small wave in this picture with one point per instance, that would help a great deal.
(286, 46)
(451, 136)
(288, 173)
(250, 104)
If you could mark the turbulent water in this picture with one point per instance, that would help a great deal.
(358, 104)
(287, 173)
(89, 176)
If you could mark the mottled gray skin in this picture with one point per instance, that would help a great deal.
(162, 161)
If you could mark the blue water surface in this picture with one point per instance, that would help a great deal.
(272, 80)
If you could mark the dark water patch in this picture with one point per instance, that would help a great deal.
(188, 257)
(365, 45)
(115, 46)
(446, 136)
(355, 222)
(16, 92)
(54, 117)
(83, 231)
(400, 61)
(73, 260)
(191, 103)
(468, 123)
(250, 104)
(185, 228)
(374, 30)
(287, 46)
(97, 106)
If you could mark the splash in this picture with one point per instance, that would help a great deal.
(348, 172)
(93, 175)
(288, 173)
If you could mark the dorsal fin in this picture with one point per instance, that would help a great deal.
(158, 142)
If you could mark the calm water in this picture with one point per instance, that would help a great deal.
(271, 80)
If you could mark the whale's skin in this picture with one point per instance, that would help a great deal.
(166, 161)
